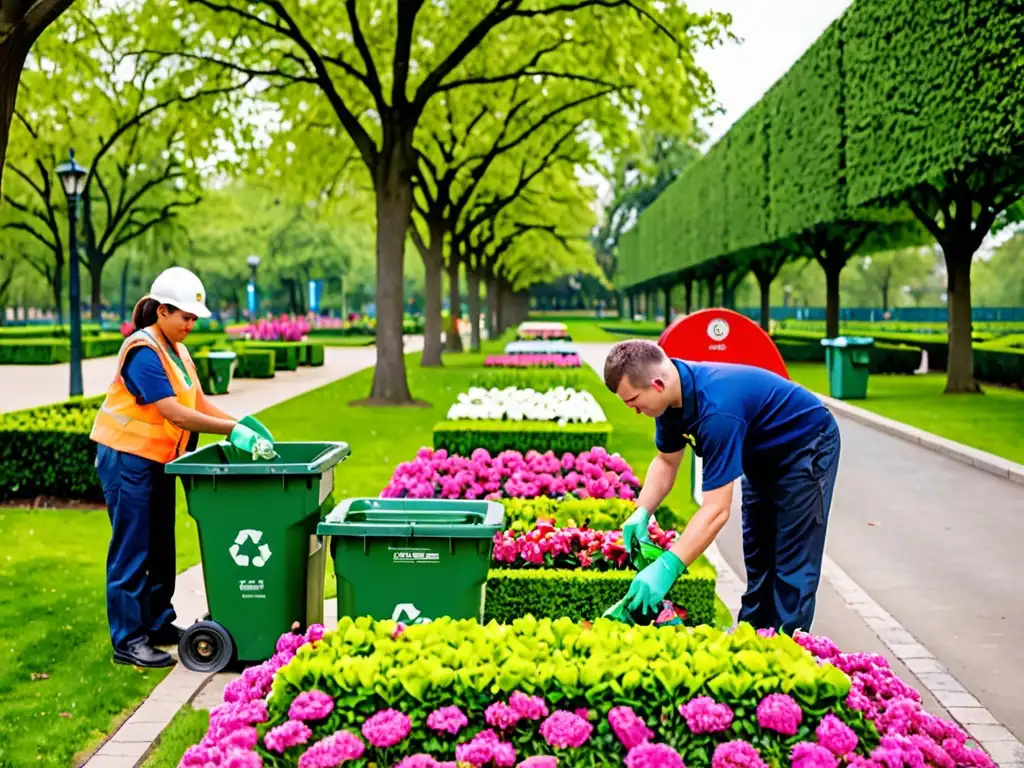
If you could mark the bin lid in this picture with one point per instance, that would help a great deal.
(423, 518)
(293, 459)
(848, 341)
(221, 355)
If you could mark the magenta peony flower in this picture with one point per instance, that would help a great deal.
(449, 720)
(315, 633)
(807, 755)
(243, 760)
(501, 716)
(287, 735)
(704, 715)
(737, 754)
(311, 705)
(386, 728)
(836, 736)
(332, 751)
(565, 729)
(245, 737)
(418, 761)
(504, 755)
(653, 756)
(628, 727)
(539, 761)
(778, 712)
(528, 707)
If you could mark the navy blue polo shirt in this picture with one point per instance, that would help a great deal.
(145, 377)
(743, 420)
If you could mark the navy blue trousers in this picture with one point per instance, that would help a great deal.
(784, 522)
(140, 561)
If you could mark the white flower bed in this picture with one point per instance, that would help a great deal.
(564, 405)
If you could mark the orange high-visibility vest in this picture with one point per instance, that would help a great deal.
(125, 425)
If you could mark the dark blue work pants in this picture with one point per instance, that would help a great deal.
(140, 561)
(784, 523)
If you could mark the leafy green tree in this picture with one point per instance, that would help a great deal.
(379, 64)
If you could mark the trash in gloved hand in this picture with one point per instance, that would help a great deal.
(670, 615)
(263, 449)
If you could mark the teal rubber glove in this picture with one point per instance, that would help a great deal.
(256, 426)
(244, 438)
(635, 529)
(650, 586)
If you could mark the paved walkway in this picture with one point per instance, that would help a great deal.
(28, 386)
(924, 564)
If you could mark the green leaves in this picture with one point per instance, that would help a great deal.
(463, 437)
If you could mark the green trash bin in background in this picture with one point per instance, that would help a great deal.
(848, 362)
(263, 562)
(218, 378)
(412, 560)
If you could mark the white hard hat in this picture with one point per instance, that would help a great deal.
(181, 288)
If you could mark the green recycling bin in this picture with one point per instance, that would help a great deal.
(218, 378)
(263, 562)
(848, 362)
(412, 560)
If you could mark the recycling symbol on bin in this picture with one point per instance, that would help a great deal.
(407, 613)
(245, 560)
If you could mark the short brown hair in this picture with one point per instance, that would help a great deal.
(633, 359)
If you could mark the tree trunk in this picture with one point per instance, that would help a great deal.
(832, 272)
(13, 52)
(124, 290)
(492, 307)
(688, 306)
(393, 191)
(96, 296)
(764, 280)
(885, 294)
(432, 267)
(668, 304)
(452, 339)
(473, 286)
(960, 366)
(57, 291)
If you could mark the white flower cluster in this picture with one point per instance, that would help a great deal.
(564, 405)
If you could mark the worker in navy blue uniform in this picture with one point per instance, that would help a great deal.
(153, 412)
(743, 422)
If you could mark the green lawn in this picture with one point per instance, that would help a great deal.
(59, 688)
(991, 422)
(54, 618)
(344, 341)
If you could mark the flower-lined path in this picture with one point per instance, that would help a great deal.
(924, 564)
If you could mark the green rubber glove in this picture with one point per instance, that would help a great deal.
(243, 438)
(635, 529)
(650, 586)
(256, 426)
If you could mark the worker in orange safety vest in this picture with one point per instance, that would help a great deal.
(153, 412)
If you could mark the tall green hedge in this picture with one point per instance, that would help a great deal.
(930, 85)
(599, 514)
(892, 94)
(805, 136)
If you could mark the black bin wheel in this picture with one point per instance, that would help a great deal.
(206, 647)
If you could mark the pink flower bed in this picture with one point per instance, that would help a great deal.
(543, 333)
(240, 734)
(594, 474)
(532, 361)
(546, 546)
(277, 329)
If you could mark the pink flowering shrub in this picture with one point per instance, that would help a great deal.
(434, 474)
(697, 697)
(532, 361)
(546, 546)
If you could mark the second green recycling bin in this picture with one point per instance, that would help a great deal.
(412, 560)
(848, 362)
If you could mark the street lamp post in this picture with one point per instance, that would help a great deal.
(253, 262)
(72, 178)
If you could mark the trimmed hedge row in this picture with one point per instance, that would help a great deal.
(464, 437)
(583, 595)
(48, 351)
(885, 358)
(540, 379)
(47, 451)
(599, 514)
(256, 364)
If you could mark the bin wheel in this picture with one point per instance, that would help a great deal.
(206, 647)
